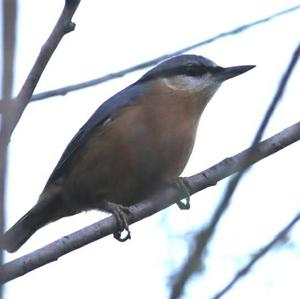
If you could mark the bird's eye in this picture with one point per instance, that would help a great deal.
(192, 70)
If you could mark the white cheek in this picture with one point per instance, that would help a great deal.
(205, 84)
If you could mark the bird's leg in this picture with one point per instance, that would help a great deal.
(120, 212)
(185, 193)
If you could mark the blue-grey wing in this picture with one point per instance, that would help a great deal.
(108, 109)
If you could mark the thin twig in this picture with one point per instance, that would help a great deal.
(163, 198)
(202, 239)
(11, 110)
(64, 25)
(9, 9)
(260, 253)
(149, 63)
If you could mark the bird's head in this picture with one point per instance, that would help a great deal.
(193, 74)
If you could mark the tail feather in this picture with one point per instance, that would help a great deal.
(17, 235)
(47, 210)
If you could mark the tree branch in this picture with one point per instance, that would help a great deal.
(152, 62)
(63, 26)
(195, 260)
(162, 199)
(9, 10)
(256, 257)
(12, 109)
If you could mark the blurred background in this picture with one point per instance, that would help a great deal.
(113, 35)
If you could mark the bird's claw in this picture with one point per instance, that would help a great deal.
(185, 193)
(120, 213)
(118, 236)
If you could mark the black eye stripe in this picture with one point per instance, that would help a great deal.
(194, 70)
(189, 69)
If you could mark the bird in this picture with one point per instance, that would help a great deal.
(136, 140)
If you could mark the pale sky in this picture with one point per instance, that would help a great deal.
(110, 36)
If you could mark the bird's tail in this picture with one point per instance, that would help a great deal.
(45, 211)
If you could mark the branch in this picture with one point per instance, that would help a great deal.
(195, 260)
(9, 9)
(63, 26)
(11, 110)
(260, 253)
(162, 199)
(152, 62)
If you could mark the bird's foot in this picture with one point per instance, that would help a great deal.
(120, 212)
(183, 204)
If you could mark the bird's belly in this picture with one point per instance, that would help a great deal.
(125, 160)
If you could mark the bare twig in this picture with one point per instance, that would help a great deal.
(74, 87)
(163, 198)
(9, 9)
(11, 110)
(63, 26)
(202, 239)
(260, 253)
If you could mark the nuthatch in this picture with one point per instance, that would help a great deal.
(139, 138)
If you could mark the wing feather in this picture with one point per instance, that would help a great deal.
(109, 109)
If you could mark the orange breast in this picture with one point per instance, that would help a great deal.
(148, 142)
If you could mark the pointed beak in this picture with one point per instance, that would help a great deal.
(230, 72)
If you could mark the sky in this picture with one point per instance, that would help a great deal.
(113, 35)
